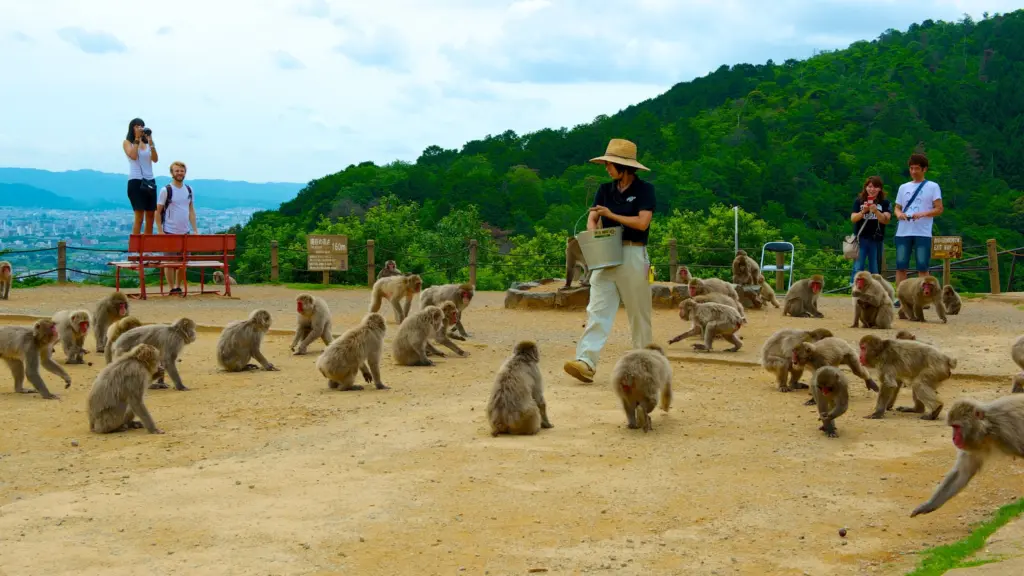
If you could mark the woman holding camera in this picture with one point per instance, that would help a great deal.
(141, 152)
(871, 212)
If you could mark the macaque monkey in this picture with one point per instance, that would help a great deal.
(394, 289)
(1017, 353)
(24, 349)
(73, 327)
(886, 285)
(979, 430)
(313, 321)
(169, 339)
(831, 393)
(871, 304)
(777, 355)
(922, 365)
(915, 294)
(108, 310)
(711, 319)
(6, 279)
(640, 378)
(116, 396)
(516, 404)
(451, 317)
(389, 269)
(114, 332)
(951, 301)
(700, 286)
(357, 350)
(802, 298)
(745, 270)
(768, 294)
(573, 258)
(459, 294)
(410, 345)
(832, 352)
(240, 341)
(683, 275)
(218, 278)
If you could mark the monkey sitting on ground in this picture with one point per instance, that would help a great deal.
(72, 327)
(240, 341)
(389, 269)
(116, 396)
(6, 279)
(777, 355)
(802, 298)
(768, 294)
(24, 349)
(871, 304)
(745, 270)
(114, 332)
(683, 275)
(573, 259)
(459, 294)
(169, 339)
(451, 317)
(108, 310)
(393, 289)
(711, 319)
(923, 366)
(314, 321)
(915, 294)
(951, 301)
(358, 349)
(831, 351)
(640, 378)
(218, 278)
(886, 285)
(516, 404)
(410, 345)
(1017, 353)
(831, 393)
(979, 430)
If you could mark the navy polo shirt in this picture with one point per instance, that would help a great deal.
(639, 196)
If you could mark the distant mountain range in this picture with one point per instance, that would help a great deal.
(92, 190)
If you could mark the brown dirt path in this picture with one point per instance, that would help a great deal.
(272, 473)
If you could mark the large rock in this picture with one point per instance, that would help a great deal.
(522, 296)
(529, 300)
(750, 296)
(661, 296)
(576, 298)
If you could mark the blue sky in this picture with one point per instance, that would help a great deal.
(290, 90)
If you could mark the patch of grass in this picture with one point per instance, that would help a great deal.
(939, 559)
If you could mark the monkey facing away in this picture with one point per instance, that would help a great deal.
(745, 270)
(777, 355)
(832, 351)
(169, 339)
(516, 404)
(915, 294)
(25, 349)
(802, 298)
(886, 285)
(114, 332)
(871, 303)
(922, 365)
(459, 294)
(240, 341)
(951, 301)
(394, 289)
(980, 429)
(218, 278)
(389, 269)
(831, 393)
(640, 378)
(72, 327)
(108, 310)
(573, 259)
(116, 396)
(699, 286)
(768, 294)
(1017, 353)
(357, 350)
(6, 279)
(313, 321)
(711, 319)
(451, 317)
(410, 345)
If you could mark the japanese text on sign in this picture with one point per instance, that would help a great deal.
(325, 252)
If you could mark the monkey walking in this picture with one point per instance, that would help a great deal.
(640, 378)
(516, 404)
(710, 319)
(768, 294)
(394, 289)
(777, 355)
(169, 339)
(573, 259)
(313, 321)
(108, 310)
(832, 351)
(802, 298)
(240, 342)
(357, 350)
(831, 393)
(25, 349)
(979, 430)
(1017, 353)
(116, 396)
(6, 279)
(72, 327)
(924, 366)
(915, 294)
(459, 294)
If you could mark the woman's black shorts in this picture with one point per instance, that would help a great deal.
(143, 200)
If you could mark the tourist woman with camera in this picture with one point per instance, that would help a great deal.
(141, 152)
(871, 212)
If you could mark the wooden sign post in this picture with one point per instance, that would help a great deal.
(326, 253)
(947, 248)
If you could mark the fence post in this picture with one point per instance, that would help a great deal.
(472, 262)
(673, 260)
(993, 267)
(780, 276)
(371, 267)
(274, 271)
(947, 275)
(881, 261)
(62, 262)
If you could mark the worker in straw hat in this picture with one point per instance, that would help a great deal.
(626, 201)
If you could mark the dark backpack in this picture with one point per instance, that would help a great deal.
(167, 204)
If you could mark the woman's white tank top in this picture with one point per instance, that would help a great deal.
(143, 167)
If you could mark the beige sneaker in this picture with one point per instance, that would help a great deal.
(579, 370)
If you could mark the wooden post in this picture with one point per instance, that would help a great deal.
(327, 277)
(947, 277)
(274, 270)
(472, 262)
(993, 267)
(881, 261)
(673, 260)
(371, 271)
(780, 275)
(62, 262)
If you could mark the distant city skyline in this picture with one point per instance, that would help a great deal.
(292, 91)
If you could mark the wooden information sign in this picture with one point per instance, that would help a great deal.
(947, 247)
(326, 253)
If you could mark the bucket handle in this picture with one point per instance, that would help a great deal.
(600, 224)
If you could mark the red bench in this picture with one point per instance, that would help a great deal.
(181, 251)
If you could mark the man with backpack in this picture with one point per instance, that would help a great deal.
(918, 202)
(175, 212)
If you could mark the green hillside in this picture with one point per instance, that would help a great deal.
(790, 143)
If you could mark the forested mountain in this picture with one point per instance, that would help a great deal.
(790, 142)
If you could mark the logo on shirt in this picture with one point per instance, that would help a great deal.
(631, 198)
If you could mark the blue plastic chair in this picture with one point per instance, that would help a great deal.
(778, 247)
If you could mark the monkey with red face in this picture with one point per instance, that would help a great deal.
(459, 294)
(802, 298)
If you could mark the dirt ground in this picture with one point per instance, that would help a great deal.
(274, 474)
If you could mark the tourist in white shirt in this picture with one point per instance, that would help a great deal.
(175, 213)
(914, 230)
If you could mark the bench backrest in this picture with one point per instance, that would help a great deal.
(179, 243)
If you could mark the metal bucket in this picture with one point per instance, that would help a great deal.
(602, 248)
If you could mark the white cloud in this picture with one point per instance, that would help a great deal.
(290, 90)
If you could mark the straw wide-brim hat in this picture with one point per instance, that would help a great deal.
(622, 152)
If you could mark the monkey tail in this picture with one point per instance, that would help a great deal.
(952, 363)
(666, 397)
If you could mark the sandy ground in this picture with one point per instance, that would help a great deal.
(274, 474)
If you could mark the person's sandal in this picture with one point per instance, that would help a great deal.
(579, 370)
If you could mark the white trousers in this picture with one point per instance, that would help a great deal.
(626, 283)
